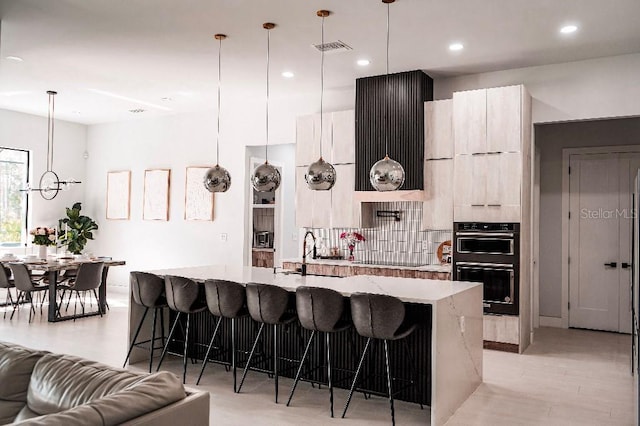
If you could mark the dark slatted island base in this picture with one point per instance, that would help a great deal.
(443, 356)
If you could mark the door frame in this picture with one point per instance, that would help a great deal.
(566, 157)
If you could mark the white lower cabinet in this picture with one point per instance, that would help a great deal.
(437, 209)
(501, 329)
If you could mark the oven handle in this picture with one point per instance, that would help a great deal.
(485, 234)
(489, 265)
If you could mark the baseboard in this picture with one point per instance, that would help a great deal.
(550, 322)
(499, 346)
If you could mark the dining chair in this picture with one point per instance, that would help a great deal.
(7, 283)
(26, 287)
(88, 279)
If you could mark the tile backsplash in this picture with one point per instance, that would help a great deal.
(388, 241)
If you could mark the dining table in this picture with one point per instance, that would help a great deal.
(52, 268)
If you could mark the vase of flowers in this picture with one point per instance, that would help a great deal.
(43, 237)
(351, 238)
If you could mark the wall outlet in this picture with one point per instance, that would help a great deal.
(223, 237)
(462, 324)
(425, 245)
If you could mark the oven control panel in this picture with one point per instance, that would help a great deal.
(486, 226)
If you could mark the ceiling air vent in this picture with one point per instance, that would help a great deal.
(137, 111)
(333, 46)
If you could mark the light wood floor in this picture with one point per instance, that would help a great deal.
(566, 377)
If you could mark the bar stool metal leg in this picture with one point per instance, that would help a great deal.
(355, 379)
(186, 346)
(135, 337)
(304, 357)
(152, 343)
(233, 354)
(166, 345)
(275, 358)
(253, 349)
(206, 357)
(389, 381)
(329, 372)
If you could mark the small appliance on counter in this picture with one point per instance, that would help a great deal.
(263, 239)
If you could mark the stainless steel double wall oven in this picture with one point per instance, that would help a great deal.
(489, 253)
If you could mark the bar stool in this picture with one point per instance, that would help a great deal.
(225, 299)
(267, 305)
(379, 317)
(148, 291)
(319, 310)
(183, 298)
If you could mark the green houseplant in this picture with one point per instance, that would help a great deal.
(75, 229)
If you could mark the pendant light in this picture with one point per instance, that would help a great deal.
(50, 184)
(218, 179)
(321, 175)
(265, 177)
(387, 174)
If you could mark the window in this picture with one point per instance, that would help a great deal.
(14, 176)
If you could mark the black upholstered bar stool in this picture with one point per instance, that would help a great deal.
(378, 317)
(319, 310)
(225, 299)
(148, 291)
(183, 298)
(267, 305)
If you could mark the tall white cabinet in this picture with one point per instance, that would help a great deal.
(437, 210)
(489, 160)
(336, 208)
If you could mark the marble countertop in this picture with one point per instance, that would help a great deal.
(343, 262)
(406, 289)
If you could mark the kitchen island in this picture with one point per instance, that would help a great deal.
(346, 268)
(447, 345)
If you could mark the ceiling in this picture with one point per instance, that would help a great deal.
(106, 57)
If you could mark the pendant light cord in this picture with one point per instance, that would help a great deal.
(219, 78)
(50, 129)
(321, 84)
(386, 139)
(266, 148)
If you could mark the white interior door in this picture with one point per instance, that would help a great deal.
(599, 229)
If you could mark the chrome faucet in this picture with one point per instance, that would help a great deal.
(303, 269)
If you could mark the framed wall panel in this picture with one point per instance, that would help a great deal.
(198, 202)
(118, 194)
(156, 194)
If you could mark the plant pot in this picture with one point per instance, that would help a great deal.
(42, 252)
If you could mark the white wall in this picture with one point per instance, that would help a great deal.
(593, 89)
(29, 132)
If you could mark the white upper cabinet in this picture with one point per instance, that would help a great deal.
(470, 180)
(326, 137)
(470, 121)
(345, 212)
(504, 119)
(306, 150)
(437, 209)
(344, 137)
(504, 179)
(304, 200)
(438, 129)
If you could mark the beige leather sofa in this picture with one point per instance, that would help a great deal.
(42, 388)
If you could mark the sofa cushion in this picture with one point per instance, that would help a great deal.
(16, 366)
(61, 382)
(82, 415)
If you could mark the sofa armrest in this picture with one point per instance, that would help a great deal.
(194, 407)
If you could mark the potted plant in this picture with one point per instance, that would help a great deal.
(43, 237)
(75, 229)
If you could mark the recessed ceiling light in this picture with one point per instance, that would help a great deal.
(14, 58)
(363, 62)
(456, 46)
(287, 74)
(568, 29)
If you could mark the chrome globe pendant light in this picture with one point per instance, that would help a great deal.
(218, 179)
(50, 184)
(265, 177)
(321, 175)
(387, 174)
